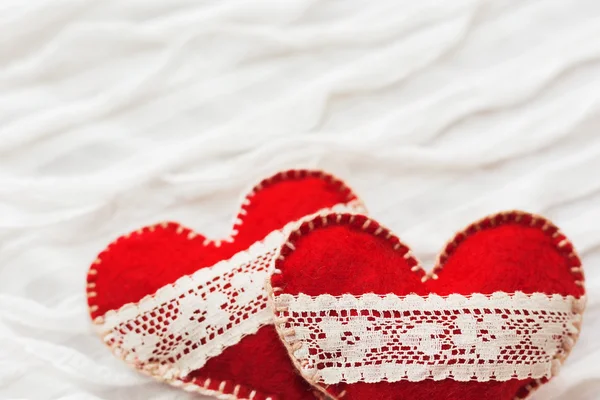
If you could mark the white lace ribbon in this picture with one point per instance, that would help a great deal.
(372, 338)
(184, 324)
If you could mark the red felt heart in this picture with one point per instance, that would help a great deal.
(343, 254)
(137, 265)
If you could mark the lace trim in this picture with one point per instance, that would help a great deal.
(182, 325)
(372, 338)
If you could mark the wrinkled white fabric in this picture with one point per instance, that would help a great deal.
(118, 114)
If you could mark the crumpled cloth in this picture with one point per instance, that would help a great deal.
(118, 114)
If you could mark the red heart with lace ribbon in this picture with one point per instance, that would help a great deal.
(193, 311)
(494, 319)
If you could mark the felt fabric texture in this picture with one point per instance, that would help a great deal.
(512, 251)
(138, 264)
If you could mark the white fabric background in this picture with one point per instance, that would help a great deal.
(118, 114)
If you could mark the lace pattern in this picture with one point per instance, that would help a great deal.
(186, 323)
(372, 338)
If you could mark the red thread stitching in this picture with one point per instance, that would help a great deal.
(204, 387)
(562, 244)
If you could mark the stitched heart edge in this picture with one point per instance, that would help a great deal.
(221, 389)
(369, 225)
